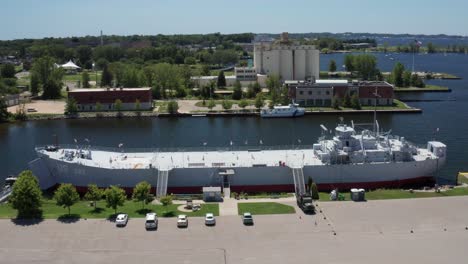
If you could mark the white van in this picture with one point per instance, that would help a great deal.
(151, 221)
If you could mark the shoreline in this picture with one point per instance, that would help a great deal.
(209, 114)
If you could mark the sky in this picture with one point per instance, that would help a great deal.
(63, 18)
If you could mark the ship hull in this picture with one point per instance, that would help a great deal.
(245, 179)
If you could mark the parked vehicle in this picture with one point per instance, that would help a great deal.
(247, 219)
(121, 220)
(210, 219)
(151, 221)
(305, 202)
(189, 204)
(182, 221)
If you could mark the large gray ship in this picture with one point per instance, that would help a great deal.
(343, 159)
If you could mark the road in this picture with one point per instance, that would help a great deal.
(430, 230)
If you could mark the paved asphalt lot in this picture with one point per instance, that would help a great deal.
(368, 232)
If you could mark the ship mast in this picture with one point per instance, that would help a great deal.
(375, 110)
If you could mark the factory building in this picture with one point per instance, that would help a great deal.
(288, 60)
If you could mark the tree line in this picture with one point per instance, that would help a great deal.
(26, 196)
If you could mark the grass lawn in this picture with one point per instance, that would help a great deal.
(384, 194)
(162, 106)
(219, 102)
(83, 210)
(428, 87)
(265, 208)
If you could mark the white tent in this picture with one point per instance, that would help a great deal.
(70, 66)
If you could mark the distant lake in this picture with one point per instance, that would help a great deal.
(17, 141)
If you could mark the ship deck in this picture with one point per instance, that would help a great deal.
(294, 158)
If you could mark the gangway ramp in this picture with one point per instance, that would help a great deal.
(299, 183)
(161, 188)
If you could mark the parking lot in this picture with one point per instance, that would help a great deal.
(368, 232)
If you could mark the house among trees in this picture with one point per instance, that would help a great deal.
(112, 99)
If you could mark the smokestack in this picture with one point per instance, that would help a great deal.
(102, 42)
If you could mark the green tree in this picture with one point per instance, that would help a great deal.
(274, 98)
(273, 82)
(226, 104)
(84, 54)
(221, 80)
(66, 196)
(417, 81)
(347, 101)
(49, 76)
(366, 66)
(118, 105)
(98, 107)
(397, 74)
(138, 106)
(34, 83)
(166, 201)
(20, 113)
(336, 102)
(243, 104)
(26, 196)
(190, 60)
(431, 48)
(85, 80)
(106, 77)
(131, 78)
(349, 62)
(141, 193)
(406, 79)
(8, 70)
(211, 104)
(332, 66)
(314, 191)
(115, 197)
(205, 70)
(4, 114)
(256, 88)
(167, 77)
(94, 194)
(71, 107)
(250, 91)
(355, 103)
(172, 107)
(259, 101)
(237, 92)
(284, 95)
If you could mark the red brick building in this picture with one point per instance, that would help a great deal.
(87, 99)
(321, 92)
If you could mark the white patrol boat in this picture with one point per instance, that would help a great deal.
(291, 110)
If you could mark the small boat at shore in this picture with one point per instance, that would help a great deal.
(291, 110)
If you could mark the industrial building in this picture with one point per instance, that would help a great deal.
(88, 99)
(288, 60)
(321, 92)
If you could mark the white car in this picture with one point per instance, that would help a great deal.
(151, 221)
(210, 219)
(121, 220)
(247, 219)
(182, 221)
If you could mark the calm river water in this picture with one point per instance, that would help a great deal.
(17, 141)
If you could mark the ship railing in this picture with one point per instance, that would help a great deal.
(251, 148)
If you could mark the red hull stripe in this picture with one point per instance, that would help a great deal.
(414, 182)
